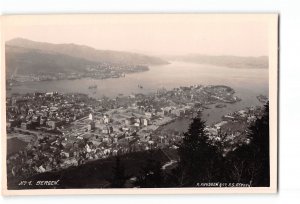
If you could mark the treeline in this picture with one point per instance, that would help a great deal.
(201, 162)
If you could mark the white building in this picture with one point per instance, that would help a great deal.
(145, 122)
(106, 119)
(148, 114)
(91, 116)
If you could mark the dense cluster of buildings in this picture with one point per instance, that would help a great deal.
(97, 71)
(72, 129)
(233, 129)
(47, 111)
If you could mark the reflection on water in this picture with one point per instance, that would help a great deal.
(248, 83)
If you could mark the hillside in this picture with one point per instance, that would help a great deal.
(26, 61)
(88, 53)
(227, 61)
(93, 174)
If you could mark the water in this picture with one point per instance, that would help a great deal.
(248, 83)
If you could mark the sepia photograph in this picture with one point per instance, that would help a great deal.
(139, 103)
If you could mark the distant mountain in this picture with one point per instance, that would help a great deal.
(227, 61)
(88, 53)
(26, 61)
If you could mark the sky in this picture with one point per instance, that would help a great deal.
(156, 34)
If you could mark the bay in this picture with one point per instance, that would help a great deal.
(248, 83)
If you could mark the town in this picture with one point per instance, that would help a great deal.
(95, 71)
(62, 130)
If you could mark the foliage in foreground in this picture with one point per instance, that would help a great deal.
(202, 162)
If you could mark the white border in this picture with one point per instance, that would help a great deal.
(272, 20)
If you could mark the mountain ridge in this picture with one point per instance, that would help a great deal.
(230, 61)
(47, 61)
(88, 53)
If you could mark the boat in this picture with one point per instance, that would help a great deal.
(93, 87)
(220, 106)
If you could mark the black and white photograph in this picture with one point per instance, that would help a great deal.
(140, 103)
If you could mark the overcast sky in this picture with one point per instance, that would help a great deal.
(157, 34)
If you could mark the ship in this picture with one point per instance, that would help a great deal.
(93, 87)
(220, 105)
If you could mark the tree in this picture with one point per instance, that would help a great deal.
(250, 163)
(151, 175)
(223, 143)
(198, 158)
(119, 178)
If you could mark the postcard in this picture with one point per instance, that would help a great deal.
(139, 103)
